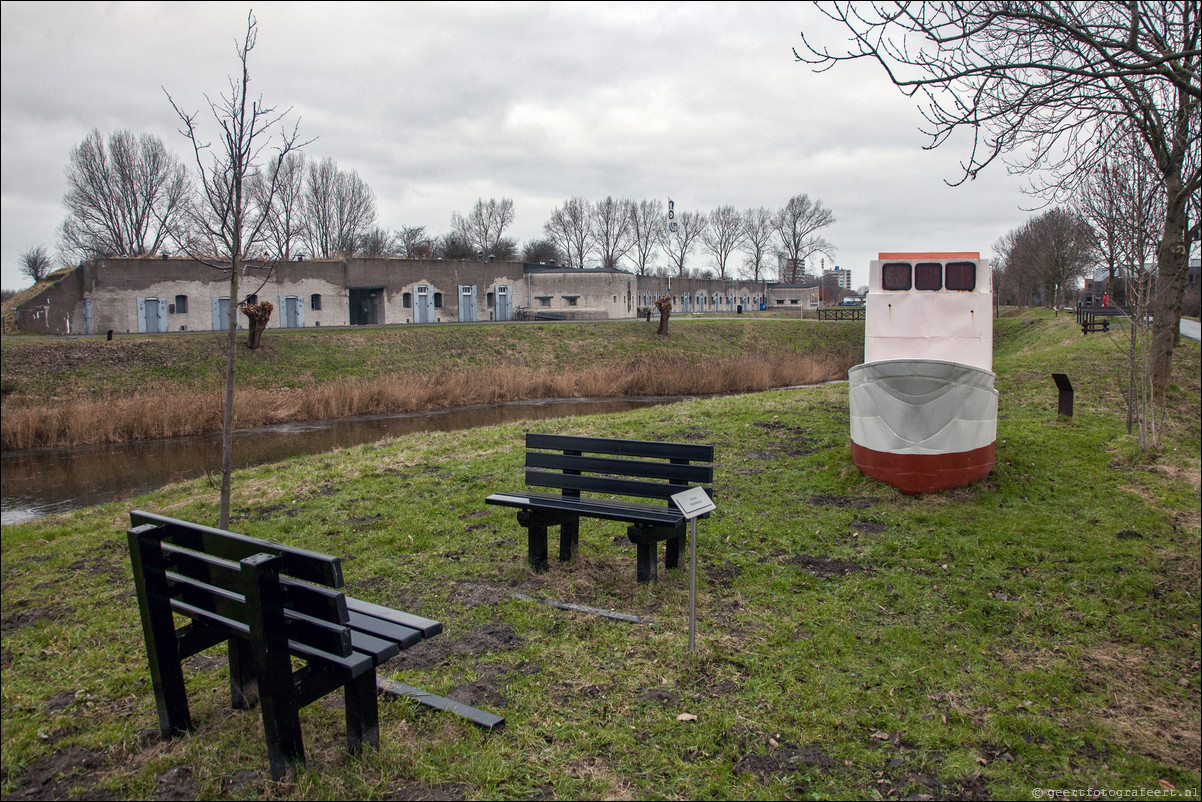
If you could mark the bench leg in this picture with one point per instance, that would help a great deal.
(158, 628)
(536, 547)
(278, 700)
(673, 546)
(646, 561)
(362, 712)
(569, 539)
(244, 688)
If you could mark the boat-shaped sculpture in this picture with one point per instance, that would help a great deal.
(923, 403)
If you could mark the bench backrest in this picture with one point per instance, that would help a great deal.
(208, 574)
(641, 468)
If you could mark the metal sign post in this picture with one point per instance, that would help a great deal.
(693, 503)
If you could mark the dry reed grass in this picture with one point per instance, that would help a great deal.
(161, 415)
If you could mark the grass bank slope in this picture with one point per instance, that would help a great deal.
(87, 391)
(1038, 630)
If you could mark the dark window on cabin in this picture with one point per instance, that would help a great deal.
(438, 300)
(962, 276)
(181, 304)
(407, 300)
(895, 276)
(928, 276)
(315, 302)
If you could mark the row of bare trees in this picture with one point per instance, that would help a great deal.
(129, 195)
(609, 231)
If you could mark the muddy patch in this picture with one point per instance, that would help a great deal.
(868, 527)
(177, 783)
(484, 691)
(28, 617)
(60, 701)
(724, 574)
(264, 513)
(436, 651)
(70, 773)
(781, 760)
(825, 566)
(415, 792)
(843, 502)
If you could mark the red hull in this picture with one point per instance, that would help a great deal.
(925, 473)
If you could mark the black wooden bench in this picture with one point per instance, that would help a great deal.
(272, 603)
(631, 468)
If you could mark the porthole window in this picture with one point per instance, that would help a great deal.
(961, 276)
(928, 276)
(895, 276)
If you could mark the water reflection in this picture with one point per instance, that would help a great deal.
(37, 483)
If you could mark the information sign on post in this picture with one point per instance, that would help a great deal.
(693, 503)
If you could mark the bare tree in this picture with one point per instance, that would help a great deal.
(679, 243)
(485, 224)
(538, 251)
(1052, 251)
(722, 236)
(378, 241)
(284, 209)
(797, 238)
(613, 230)
(414, 243)
(1123, 203)
(571, 229)
(647, 228)
(1049, 88)
(126, 198)
(231, 224)
(339, 209)
(36, 263)
(758, 231)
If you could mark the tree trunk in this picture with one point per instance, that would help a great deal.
(1171, 277)
(227, 420)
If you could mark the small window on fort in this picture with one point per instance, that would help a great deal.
(438, 300)
(407, 300)
(895, 276)
(181, 304)
(793, 300)
(962, 276)
(544, 300)
(315, 302)
(928, 276)
(570, 300)
(780, 301)
(251, 300)
(490, 300)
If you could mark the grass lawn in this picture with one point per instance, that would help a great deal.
(1039, 629)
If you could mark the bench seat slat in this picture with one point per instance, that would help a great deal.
(427, 626)
(670, 471)
(404, 636)
(607, 509)
(380, 649)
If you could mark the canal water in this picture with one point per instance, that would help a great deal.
(47, 481)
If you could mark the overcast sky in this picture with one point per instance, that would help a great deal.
(438, 105)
